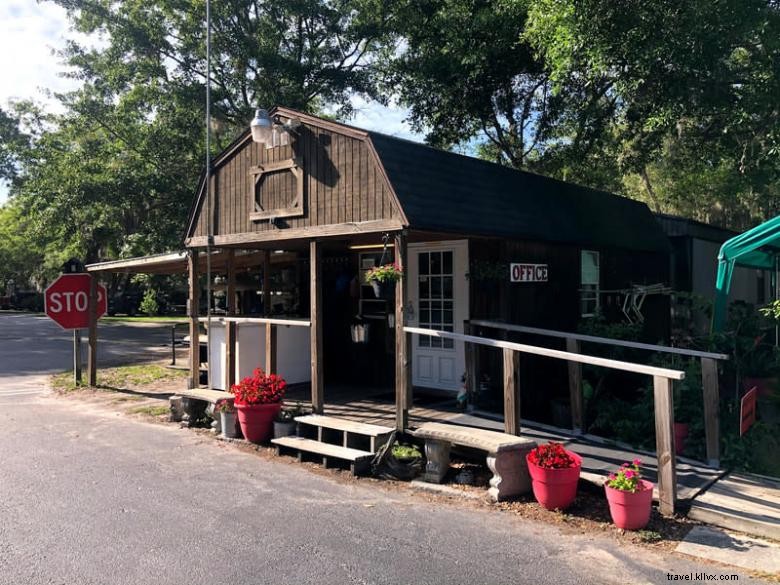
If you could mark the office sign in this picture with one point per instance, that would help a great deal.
(528, 273)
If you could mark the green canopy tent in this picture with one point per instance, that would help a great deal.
(757, 248)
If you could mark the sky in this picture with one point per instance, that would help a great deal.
(31, 32)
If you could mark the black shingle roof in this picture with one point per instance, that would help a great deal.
(443, 191)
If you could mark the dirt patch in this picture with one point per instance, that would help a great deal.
(137, 389)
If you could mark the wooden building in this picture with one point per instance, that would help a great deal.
(318, 210)
(694, 267)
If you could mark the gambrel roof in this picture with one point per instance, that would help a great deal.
(444, 192)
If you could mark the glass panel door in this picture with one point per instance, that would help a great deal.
(436, 296)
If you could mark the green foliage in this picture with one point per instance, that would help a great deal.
(403, 451)
(693, 85)
(483, 270)
(149, 305)
(114, 175)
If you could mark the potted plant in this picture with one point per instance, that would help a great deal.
(227, 418)
(284, 423)
(629, 496)
(555, 473)
(383, 278)
(258, 401)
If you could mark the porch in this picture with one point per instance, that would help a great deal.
(599, 456)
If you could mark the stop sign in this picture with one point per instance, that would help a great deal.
(67, 301)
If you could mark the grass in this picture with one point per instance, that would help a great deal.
(137, 375)
(110, 379)
(64, 382)
(150, 410)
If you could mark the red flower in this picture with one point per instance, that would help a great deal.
(260, 388)
(551, 456)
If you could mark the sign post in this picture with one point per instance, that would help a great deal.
(77, 357)
(67, 303)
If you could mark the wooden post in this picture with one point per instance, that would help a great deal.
(230, 326)
(77, 357)
(511, 392)
(270, 348)
(471, 350)
(315, 295)
(403, 385)
(92, 354)
(664, 441)
(194, 311)
(711, 398)
(575, 387)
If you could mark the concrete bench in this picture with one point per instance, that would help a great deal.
(505, 455)
(184, 405)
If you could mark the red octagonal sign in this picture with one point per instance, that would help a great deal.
(67, 301)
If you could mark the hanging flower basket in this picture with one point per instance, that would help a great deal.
(383, 278)
(629, 496)
(555, 473)
(258, 401)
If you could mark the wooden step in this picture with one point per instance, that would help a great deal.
(359, 461)
(341, 424)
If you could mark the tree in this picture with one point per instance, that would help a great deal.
(470, 78)
(696, 85)
(116, 173)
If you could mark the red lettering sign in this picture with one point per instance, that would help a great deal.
(528, 272)
(67, 301)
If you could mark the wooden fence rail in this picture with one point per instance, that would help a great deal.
(662, 392)
(709, 370)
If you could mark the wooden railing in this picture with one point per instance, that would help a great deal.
(709, 373)
(662, 393)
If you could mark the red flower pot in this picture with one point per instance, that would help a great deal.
(555, 489)
(256, 420)
(630, 510)
(680, 434)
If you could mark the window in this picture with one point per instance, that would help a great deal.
(436, 296)
(589, 283)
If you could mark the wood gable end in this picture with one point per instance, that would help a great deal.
(327, 181)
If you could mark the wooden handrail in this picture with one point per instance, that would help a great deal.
(662, 397)
(259, 321)
(553, 353)
(595, 339)
(709, 368)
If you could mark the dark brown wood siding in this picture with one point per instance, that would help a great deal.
(342, 184)
(554, 305)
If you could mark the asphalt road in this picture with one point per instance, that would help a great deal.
(90, 497)
(33, 347)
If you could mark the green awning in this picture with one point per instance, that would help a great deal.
(757, 248)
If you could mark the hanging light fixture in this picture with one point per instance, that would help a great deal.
(262, 127)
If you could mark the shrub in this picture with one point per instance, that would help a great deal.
(149, 305)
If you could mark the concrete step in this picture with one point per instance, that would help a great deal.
(359, 461)
(747, 503)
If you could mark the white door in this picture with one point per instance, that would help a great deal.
(439, 297)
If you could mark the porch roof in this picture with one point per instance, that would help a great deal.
(175, 262)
